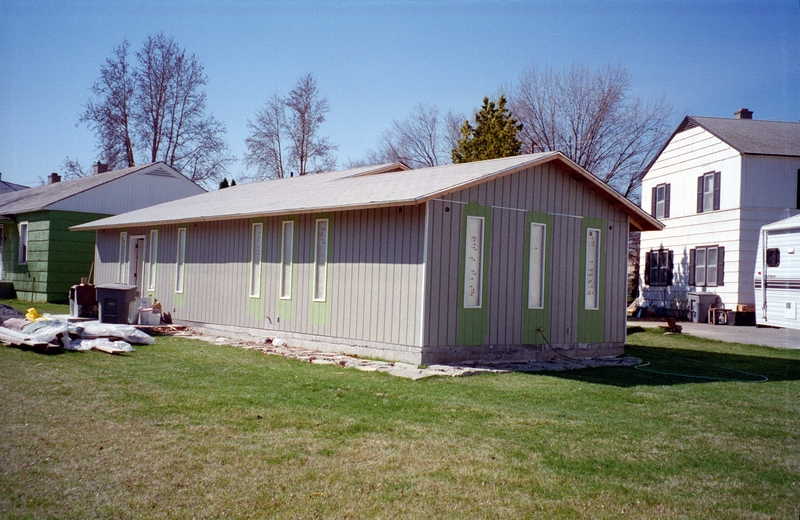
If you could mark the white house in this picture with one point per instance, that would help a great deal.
(714, 184)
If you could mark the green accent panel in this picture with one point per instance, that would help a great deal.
(255, 306)
(179, 299)
(532, 319)
(591, 323)
(473, 324)
(286, 308)
(320, 312)
(57, 257)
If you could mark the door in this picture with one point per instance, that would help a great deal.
(136, 262)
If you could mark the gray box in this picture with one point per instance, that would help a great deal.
(114, 300)
(699, 304)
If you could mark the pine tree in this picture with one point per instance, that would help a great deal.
(223, 184)
(233, 183)
(493, 136)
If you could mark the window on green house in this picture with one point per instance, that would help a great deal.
(23, 243)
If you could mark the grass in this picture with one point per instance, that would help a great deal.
(41, 307)
(185, 429)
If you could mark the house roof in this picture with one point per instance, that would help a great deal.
(750, 136)
(41, 197)
(6, 187)
(787, 223)
(376, 186)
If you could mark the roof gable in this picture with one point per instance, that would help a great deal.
(751, 136)
(43, 197)
(378, 186)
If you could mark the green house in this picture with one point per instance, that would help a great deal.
(41, 258)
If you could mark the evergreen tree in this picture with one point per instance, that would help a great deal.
(224, 184)
(233, 183)
(493, 136)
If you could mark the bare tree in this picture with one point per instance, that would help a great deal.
(155, 111)
(109, 115)
(285, 134)
(421, 140)
(589, 116)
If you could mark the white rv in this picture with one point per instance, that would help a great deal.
(778, 270)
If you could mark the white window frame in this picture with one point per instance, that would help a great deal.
(700, 267)
(122, 275)
(708, 191)
(661, 200)
(180, 261)
(538, 243)
(24, 230)
(591, 300)
(473, 262)
(256, 248)
(287, 259)
(321, 260)
(152, 257)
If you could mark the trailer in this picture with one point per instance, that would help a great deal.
(777, 274)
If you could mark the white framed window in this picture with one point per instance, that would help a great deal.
(700, 266)
(180, 260)
(123, 258)
(592, 282)
(23, 243)
(256, 240)
(473, 263)
(536, 266)
(708, 192)
(660, 202)
(287, 250)
(152, 260)
(707, 266)
(321, 260)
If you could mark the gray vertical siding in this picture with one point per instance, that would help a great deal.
(375, 272)
(542, 189)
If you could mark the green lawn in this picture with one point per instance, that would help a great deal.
(185, 429)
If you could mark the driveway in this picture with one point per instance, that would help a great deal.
(766, 336)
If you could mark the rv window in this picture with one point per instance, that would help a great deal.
(773, 257)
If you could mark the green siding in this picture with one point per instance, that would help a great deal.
(320, 312)
(255, 305)
(286, 308)
(57, 257)
(532, 319)
(591, 323)
(473, 324)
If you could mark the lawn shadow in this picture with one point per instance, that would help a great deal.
(675, 366)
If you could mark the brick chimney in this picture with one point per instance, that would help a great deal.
(743, 113)
(100, 168)
(53, 178)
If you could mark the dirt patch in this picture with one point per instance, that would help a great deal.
(7, 312)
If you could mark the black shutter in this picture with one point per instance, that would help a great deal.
(653, 202)
(669, 266)
(647, 269)
(691, 266)
(666, 201)
(720, 266)
(700, 194)
(717, 176)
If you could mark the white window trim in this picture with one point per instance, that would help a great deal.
(123, 258)
(180, 261)
(286, 291)
(471, 303)
(592, 283)
(23, 251)
(661, 200)
(538, 276)
(152, 264)
(708, 182)
(321, 269)
(256, 248)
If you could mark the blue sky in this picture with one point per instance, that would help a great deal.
(376, 59)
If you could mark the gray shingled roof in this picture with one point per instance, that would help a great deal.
(752, 136)
(40, 197)
(377, 186)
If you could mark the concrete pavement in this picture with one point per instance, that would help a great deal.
(766, 336)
